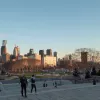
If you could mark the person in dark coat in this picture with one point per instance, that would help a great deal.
(24, 84)
(55, 84)
(33, 85)
(45, 84)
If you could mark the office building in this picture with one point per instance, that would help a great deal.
(3, 47)
(31, 51)
(49, 52)
(3, 50)
(41, 52)
(4, 42)
(35, 56)
(20, 57)
(5, 57)
(49, 61)
(16, 51)
(55, 55)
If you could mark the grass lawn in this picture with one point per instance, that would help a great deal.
(43, 75)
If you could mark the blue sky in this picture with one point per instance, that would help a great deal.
(62, 25)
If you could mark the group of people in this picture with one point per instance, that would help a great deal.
(24, 84)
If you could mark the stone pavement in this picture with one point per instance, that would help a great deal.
(64, 92)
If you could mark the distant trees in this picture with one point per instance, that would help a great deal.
(98, 73)
(87, 74)
(76, 72)
(3, 72)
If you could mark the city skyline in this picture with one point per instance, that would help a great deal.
(62, 26)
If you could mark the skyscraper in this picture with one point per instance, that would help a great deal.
(16, 51)
(3, 47)
(55, 55)
(4, 54)
(4, 42)
(41, 52)
(49, 52)
(3, 50)
(31, 51)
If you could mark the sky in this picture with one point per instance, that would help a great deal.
(62, 25)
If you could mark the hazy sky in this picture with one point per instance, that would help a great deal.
(62, 25)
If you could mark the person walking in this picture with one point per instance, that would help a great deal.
(33, 85)
(24, 84)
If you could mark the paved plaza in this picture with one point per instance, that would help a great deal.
(67, 91)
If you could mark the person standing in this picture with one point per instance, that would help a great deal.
(55, 84)
(33, 85)
(45, 84)
(24, 84)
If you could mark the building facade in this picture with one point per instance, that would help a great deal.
(49, 61)
(31, 52)
(55, 55)
(41, 52)
(16, 51)
(22, 57)
(35, 56)
(5, 57)
(3, 50)
(3, 47)
(49, 52)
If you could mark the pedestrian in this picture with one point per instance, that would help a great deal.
(55, 84)
(0, 86)
(33, 85)
(94, 81)
(24, 84)
(45, 84)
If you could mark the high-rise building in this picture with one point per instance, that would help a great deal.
(4, 42)
(41, 52)
(31, 51)
(6, 57)
(16, 51)
(49, 52)
(55, 55)
(3, 47)
(3, 50)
